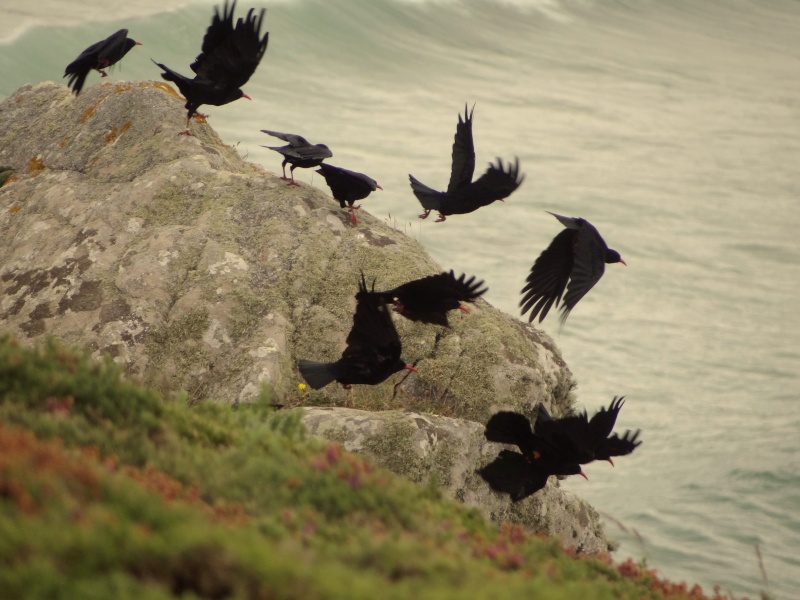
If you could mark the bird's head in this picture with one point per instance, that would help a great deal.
(612, 256)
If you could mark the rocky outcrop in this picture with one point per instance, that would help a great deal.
(424, 447)
(199, 271)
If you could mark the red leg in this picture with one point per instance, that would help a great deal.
(353, 209)
(441, 219)
(425, 214)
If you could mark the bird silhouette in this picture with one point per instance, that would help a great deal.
(373, 348)
(98, 56)
(347, 187)
(228, 58)
(577, 256)
(464, 195)
(298, 153)
(428, 299)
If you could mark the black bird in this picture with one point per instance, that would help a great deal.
(520, 475)
(464, 195)
(347, 186)
(228, 58)
(299, 153)
(373, 348)
(429, 298)
(577, 256)
(98, 56)
(584, 440)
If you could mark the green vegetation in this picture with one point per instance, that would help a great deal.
(109, 491)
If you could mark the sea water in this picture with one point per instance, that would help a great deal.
(673, 126)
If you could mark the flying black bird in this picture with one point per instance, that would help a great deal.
(299, 153)
(347, 186)
(228, 58)
(512, 473)
(520, 475)
(464, 195)
(583, 440)
(98, 56)
(373, 348)
(577, 256)
(429, 298)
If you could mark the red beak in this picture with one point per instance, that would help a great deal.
(582, 474)
(410, 368)
(622, 261)
(463, 308)
(611, 461)
(137, 43)
(379, 187)
(246, 96)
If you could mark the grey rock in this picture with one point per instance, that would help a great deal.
(196, 270)
(423, 446)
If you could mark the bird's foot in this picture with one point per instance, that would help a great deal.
(102, 73)
(425, 214)
(294, 183)
(200, 117)
(441, 219)
(353, 209)
(186, 132)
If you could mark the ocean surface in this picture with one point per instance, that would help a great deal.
(672, 125)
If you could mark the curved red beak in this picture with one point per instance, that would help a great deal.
(611, 461)
(410, 368)
(582, 474)
(379, 187)
(622, 261)
(246, 96)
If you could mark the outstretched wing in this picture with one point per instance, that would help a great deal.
(618, 446)
(428, 197)
(497, 183)
(463, 153)
(507, 427)
(294, 140)
(549, 276)
(602, 422)
(231, 53)
(442, 286)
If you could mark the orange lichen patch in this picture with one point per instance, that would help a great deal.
(35, 164)
(88, 113)
(162, 86)
(10, 179)
(92, 162)
(200, 118)
(114, 133)
(64, 141)
(20, 98)
(15, 208)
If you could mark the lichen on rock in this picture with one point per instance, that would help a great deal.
(198, 271)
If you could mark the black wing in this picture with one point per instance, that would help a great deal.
(602, 422)
(428, 197)
(589, 261)
(463, 153)
(507, 427)
(231, 53)
(618, 446)
(373, 333)
(114, 48)
(510, 473)
(441, 286)
(549, 276)
(496, 183)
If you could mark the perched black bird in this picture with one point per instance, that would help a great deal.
(584, 440)
(98, 56)
(577, 256)
(228, 58)
(347, 186)
(464, 195)
(429, 298)
(373, 348)
(512, 473)
(299, 153)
